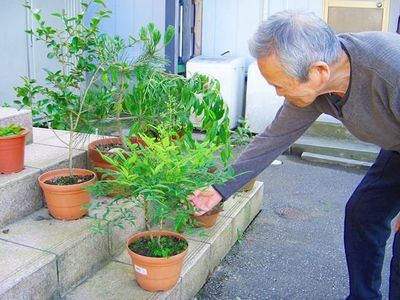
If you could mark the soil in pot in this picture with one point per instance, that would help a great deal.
(171, 245)
(69, 180)
(158, 273)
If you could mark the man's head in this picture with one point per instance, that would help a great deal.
(294, 51)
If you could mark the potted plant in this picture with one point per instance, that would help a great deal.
(117, 84)
(12, 148)
(63, 99)
(157, 97)
(157, 178)
(170, 100)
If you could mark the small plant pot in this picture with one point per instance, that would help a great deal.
(249, 186)
(12, 153)
(95, 157)
(208, 219)
(64, 202)
(156, 273)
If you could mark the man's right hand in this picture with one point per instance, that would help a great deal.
(205, 200)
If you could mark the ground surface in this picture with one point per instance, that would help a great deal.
(294, 247)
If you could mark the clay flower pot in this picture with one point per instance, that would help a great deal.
(156, 273)
(208, 219)
(95, 157)
(64, 202)
(12, 152)
(249, 186)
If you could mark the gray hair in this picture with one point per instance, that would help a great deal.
(299, 39)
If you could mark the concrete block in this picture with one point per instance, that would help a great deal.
(22, 117)
(43, 134)
(196, 269)
(243, 207)
(60, 138)
(220, 239)
(20, 195)
(117, 281)
(47, 158)
(78, 250)
(333, 160)
(339, 148)
(26, 273)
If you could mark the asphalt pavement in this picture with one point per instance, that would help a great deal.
(294, 248)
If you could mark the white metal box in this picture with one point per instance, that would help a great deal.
(262, 103)
(230, 72)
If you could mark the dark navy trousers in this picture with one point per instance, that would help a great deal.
(369, 212)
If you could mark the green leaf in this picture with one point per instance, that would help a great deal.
(169, 34)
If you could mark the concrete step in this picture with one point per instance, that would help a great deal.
(350, 149)
(22, 117)
(333, 160)
(116, 279)
(20, 194)
(59, 253)
(330, 130)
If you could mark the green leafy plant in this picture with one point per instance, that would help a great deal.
(93, 76)
(157, 178)
(170, 100)
(74, 46)
(242, 135)
(12, 129)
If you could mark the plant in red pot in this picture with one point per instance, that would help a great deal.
(117, 82)
(12, 148)
(158, 178)
(63, 100)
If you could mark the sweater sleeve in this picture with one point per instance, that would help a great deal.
(289, 124)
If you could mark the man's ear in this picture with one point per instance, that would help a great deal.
(319, 72)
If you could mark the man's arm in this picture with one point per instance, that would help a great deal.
(289, 124)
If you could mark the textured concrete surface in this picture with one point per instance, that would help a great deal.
(26, 271)
(346, 162)
(339, 148)
(20, 195)
(294, 248)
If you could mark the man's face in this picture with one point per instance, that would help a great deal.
(298, 93)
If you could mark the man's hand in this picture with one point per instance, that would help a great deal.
(204, 201)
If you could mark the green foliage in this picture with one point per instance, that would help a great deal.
(170, 100)
(91, 65)
(165, 246)
(12, 129)
(242, 135)
(158, 178)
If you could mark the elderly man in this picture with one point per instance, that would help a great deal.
(356, 79)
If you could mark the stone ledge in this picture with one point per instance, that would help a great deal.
(76, 250)
(204, 256)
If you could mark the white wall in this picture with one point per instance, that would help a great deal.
(229, 24)
(13, 48)
(128, 16)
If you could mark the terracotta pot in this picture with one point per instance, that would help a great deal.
(64, 202)
(207, 220)
(156, 273)
(95, 157)
(12, 152)
(249, 186)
